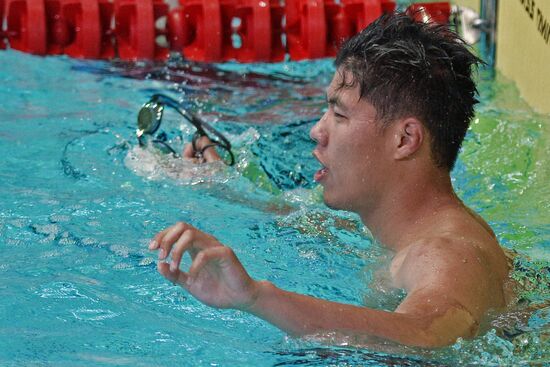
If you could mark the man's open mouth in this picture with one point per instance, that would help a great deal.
(321, 173)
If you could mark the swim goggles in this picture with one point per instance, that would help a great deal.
(150, 118)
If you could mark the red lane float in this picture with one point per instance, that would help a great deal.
(203, 33)
(201, 30)
(260, 31)
(26, 25)
(339, 27)
(430, 12)
(306, 30)
(178, 30)
(2, 33)
(78, 28)
(136, 30)
(85, 25)
(362, 12)
(317, 28)
(56, 31)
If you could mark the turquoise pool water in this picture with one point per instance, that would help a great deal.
(80, 202)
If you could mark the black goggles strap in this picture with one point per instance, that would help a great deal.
(200, 152)
(200, 125)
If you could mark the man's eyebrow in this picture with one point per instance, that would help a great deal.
(335, 101)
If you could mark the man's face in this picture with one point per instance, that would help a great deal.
(352, 149)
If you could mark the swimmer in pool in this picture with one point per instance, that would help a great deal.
(399, 106)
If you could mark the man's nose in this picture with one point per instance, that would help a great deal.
(318, 133)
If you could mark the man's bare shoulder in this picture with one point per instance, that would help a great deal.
(460, 265)
(469, 231)
(439, 256)
(458, 239)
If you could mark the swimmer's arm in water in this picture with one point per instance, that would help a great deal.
(251, 171)
(444, 302)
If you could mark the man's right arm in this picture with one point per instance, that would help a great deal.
(428, 317)
(448, 291)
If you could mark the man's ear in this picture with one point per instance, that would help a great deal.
(409, 136)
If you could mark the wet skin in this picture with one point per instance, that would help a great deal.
(447, 258)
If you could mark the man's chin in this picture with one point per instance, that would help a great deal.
(333, 204)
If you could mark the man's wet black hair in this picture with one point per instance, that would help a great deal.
(407, 68)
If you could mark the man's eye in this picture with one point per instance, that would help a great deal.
(335, 113)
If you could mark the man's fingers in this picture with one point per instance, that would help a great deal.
(184, 242)
(155, 242)
(208, 151)
(171, 236)
(206, 256)
(188, 152)
(178, 239)
(160, 237)
(210, 154)
(176, 276)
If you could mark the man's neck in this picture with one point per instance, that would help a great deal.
(409, 208)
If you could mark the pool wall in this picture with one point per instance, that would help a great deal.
(523, 46)
(472, 4)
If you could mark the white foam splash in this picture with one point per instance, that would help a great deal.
(155, 166)
(149, 163)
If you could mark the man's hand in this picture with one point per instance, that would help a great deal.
(215, 277)
(204, 152)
